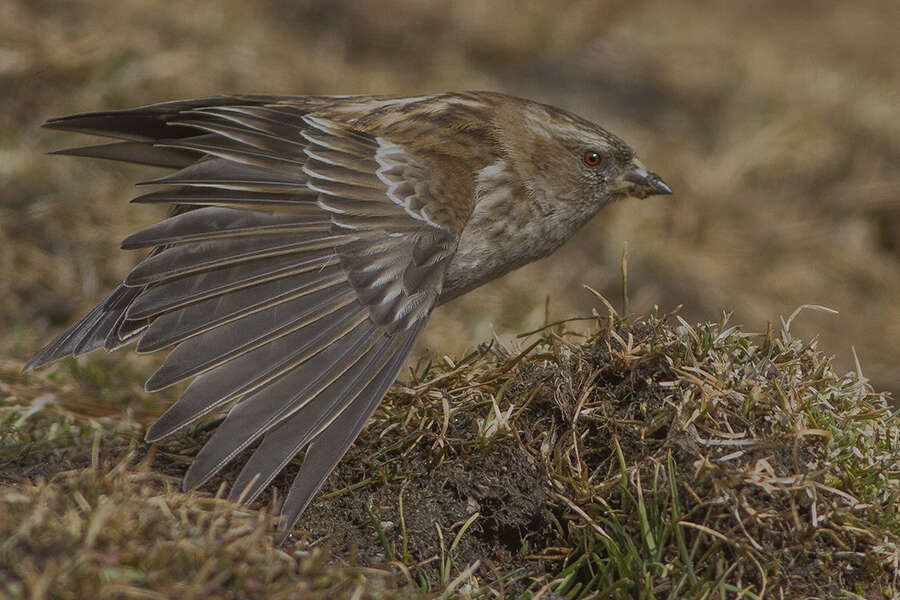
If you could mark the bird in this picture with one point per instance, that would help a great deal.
(307, 242)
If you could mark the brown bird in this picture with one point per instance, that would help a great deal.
(309, 240)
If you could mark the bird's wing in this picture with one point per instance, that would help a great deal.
(291, 284)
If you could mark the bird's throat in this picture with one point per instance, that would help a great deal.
(509, 228)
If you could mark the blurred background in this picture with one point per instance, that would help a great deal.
(776, 123)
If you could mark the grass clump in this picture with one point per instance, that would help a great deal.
(647, 459)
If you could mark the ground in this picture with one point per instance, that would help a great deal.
(651, 459)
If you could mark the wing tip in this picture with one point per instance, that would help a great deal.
(153, 433)
(57, 123)
(62, 152)
(37, 361)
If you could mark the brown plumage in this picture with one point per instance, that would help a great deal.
(309, 240)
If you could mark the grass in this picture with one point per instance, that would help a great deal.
(650, 458)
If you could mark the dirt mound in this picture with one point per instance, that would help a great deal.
(654, 459)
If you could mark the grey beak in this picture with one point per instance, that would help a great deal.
(647, 183)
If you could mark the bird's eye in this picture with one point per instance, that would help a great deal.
(592, 159)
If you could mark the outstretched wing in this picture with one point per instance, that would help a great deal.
(291, 282)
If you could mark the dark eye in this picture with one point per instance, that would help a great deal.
(592, 159)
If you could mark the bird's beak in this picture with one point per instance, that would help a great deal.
(642, 182)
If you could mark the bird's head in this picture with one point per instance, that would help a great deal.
(564, 158)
